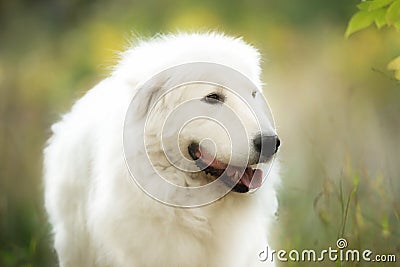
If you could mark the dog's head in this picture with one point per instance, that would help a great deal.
(206, 130)
(208, 120)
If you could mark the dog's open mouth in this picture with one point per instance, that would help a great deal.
(246, 178)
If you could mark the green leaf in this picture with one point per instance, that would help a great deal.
(356, 181)
(359, 216)
(385, 226)
(380, 18)
(360, 20)
(397, 25)
(393, 13)
(376, 4)
(364, 5)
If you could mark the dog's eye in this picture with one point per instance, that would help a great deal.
(214, 98)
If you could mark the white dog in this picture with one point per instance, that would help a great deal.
(101, 218)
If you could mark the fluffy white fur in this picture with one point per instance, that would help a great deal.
(101, 218)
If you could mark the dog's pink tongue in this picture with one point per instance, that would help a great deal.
(252, 178)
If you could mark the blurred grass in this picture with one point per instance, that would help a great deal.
(337, 111)
(335, 104)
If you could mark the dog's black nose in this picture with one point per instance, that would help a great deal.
(266, 145)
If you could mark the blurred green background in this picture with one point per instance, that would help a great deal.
(336, 106)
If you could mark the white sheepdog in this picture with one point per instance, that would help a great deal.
(105, 202)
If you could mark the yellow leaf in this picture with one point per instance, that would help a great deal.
(397, 75)
(394, 64)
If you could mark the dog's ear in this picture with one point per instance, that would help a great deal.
(147, 96)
